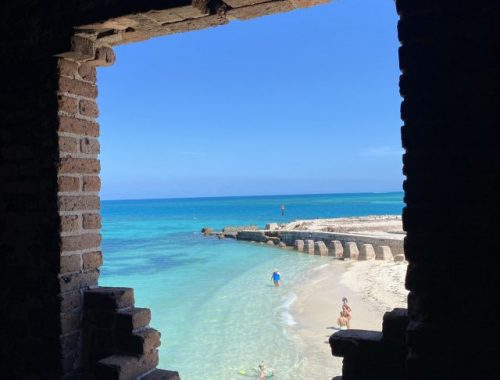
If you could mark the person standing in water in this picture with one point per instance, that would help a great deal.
(276, 277)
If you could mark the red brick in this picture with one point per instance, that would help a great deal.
(67, 68)
(91, 183)
(68, 144)
(88, 72)
(88, 108)
(90, 146)
(77, 87)
(75, 203)
(133, 318)
(72, 263)
(67, 104)
(78, 242)
(92, 260)
(91, 221)
(79, 165)
(70, 223)
(68, 184)
(78, 126)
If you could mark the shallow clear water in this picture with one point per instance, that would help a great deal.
(213, 300)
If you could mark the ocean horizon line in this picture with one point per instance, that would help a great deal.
(249, 196)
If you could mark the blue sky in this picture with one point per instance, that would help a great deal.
(300, 102)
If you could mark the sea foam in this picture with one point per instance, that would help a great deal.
(286, 317)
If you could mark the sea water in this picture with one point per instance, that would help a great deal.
(213, 300)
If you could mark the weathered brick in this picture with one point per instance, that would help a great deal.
(78, 126)
(307, 3)
(85, 241)
(92, 260)
(67, 184)
(67, 104)
(91, 183)
(258, 10)
(67, 68)
(133, 318)
(70, 282)
(77, 87)
(109, 298)
(79, 165)
(88, 108)
(89, 279)
(87, 72)
(90, 146)
(138, 343)
(70, 223)
(70, 301)
(91, 221)
(72, 263)
(68, 144)
(75, 203)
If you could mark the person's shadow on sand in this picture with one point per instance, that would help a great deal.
(333, 328)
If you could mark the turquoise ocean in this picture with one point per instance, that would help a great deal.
(213, 300)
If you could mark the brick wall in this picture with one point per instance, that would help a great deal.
(450, 60)
(78, 198)
(49, 183)
(49, 168)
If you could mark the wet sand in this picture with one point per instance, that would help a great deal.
(372, 288)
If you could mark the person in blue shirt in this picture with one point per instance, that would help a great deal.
(276, 277)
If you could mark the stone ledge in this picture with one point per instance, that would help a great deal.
(366, 346)
(109, 298)
(161, 374)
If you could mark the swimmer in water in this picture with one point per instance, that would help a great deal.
(262, 370)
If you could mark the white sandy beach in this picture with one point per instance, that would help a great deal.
(372, 288)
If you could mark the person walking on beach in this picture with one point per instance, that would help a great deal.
(346, 310)
(342, 321)
(276, 277)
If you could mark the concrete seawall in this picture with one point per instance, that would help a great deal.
(305, 241)
(357, 238)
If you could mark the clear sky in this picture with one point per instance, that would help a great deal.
(300, 102)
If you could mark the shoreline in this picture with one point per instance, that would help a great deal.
(372, 288)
